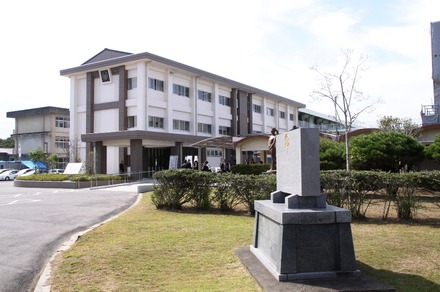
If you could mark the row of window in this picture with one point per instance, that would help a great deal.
(158, 122)
(181, 90)
(271, 112)
(62, 142)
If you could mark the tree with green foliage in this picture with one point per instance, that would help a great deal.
(401, 125)
(387, 151)
(38, 155)
(7, 143)
(433, 150)
(52, 161)
(332, 154)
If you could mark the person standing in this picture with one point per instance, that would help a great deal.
(206, 166)
(121, 167)
(272, 148)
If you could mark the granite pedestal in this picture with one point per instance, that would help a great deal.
(297, 235)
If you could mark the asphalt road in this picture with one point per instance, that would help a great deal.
(34, 223)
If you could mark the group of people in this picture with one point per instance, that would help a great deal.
(225, 166)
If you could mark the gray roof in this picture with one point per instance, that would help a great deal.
(109, 58)
(38, 111)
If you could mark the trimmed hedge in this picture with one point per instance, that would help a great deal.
(353, 191)
(44, 177)
(204, 190)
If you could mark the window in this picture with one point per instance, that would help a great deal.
(270, 111)
(181, 90)
(291, 117)
(282, 115)
(214, 153)
(222, 130)
(181, 125)
(256, 108)
(205, 96)
(62, 122)
(224, 100)
(62, 142)
(132, 123)
(132, 83)
(155, 122)
(204, 128)
(155, 84)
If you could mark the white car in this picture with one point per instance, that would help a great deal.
(8, 175)
(27, 172)
(59, 171)
(4, 169)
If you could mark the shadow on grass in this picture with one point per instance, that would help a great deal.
(431, 222)
(400, 281)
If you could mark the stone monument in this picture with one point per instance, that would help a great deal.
(297, 235)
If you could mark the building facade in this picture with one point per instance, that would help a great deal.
(46, 128)
(141, 109)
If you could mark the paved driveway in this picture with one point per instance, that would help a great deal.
(35, 222)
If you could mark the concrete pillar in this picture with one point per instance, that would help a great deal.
(101, 158)
(136, 155)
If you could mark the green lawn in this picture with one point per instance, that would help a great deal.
(150, 250)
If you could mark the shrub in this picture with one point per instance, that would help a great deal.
(255, 169)
(172, 188)
(200, 190)
(44, 177)
(100, 177)
(249, 188)
(335, 184)
(224, 196)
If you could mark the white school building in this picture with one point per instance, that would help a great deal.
(142, 109)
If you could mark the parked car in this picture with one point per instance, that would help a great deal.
(24, 171)
(29, 171)
(60, 171)
(4, 169)
(8, 175)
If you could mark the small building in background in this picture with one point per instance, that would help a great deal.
(46, 128)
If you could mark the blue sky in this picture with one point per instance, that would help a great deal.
(267, 44)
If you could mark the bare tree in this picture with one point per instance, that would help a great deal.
(342, 90)
(72, 151)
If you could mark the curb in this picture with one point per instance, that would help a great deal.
(46, 273)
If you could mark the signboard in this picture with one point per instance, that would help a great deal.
(74, 168)
(173, 162)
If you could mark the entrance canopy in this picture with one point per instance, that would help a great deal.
(224, 142)
(31, 164)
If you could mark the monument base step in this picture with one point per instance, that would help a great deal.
(361, 282)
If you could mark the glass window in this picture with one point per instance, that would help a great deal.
(222, 130)
(291, 117)
(132, 83)
(62, 122)
(205, 96)
(62, 142)
(256, 108)
(282, 115)
(205, 128)
(224, 100)
(155, 122)
(155, 84)
(181, 90)
(270, 111)
(181, 125)
(131, 122)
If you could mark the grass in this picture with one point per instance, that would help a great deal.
(150, 250)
